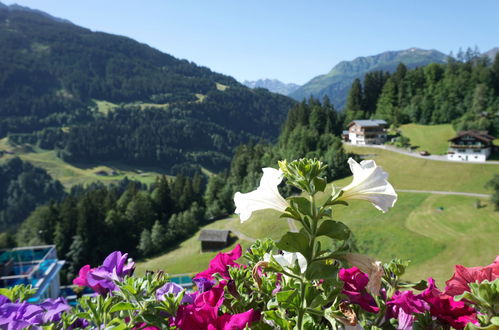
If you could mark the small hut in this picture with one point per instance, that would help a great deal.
(213, 239)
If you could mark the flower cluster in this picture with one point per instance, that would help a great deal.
(310, 279)
(102, 279)
(22, 315)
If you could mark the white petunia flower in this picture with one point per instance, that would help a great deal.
(266, 196)
(370, 184)
(288, 260)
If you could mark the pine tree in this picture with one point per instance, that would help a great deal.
(354, 106)
(145, 244)
(158, 236)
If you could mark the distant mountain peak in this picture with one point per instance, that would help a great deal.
(16, 7)
(273, 85)
(492, 53)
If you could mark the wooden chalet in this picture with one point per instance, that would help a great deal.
(472, 146)
(213, 239)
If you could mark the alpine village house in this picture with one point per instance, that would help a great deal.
(472, 146)
(366, 131)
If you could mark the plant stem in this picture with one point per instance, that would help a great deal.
(301, 310)
(313, 227)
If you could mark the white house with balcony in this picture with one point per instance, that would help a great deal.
(371, 131)
(471, 146)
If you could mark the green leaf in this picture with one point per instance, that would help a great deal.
(302, 204)
(122, 306)
(294, 242)
(289, 298)
(320, 184)
(334, 230)
(421, 285)
(320, 270)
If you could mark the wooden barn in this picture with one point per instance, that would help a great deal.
(214, 239)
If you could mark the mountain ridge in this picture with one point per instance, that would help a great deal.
(52, 73)
(273, 85)
(336, 83)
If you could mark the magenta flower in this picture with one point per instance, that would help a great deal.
(459, 282)
(354, 287)
(221, 263)
(448, 311)
(403, 306)
(207, 318)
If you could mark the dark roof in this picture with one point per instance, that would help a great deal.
(214, 235)
(480, 135)
(368, 123)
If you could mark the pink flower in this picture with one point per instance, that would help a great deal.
(403, 306)
(81, 280)
(355, 283)
(221, 263)
(203, 313)
(464, 275)
(144, 326)
(448, 311)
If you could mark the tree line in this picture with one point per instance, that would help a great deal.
(464, 92)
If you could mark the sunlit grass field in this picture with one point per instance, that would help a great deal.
(74, 174)
(433, 138)
(406, 172)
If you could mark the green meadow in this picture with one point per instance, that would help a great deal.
(406, 172)
(74, 174)
(432, 138)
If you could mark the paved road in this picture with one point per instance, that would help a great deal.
(440, 158)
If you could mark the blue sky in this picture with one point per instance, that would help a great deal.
(292, 41)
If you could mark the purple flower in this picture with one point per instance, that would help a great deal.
(3, 300)
(79, 324)
(15, 316)
(113, 269)
(203, 284)
(173, 289)
(21, 315)
(53, 309)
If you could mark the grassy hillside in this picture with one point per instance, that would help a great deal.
(73, 174)
(423, 174)
(433, 138)
(435, 232)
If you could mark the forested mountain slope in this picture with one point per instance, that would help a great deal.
(53, 75)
